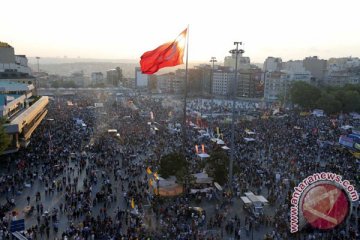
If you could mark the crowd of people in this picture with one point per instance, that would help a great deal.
(82, 181)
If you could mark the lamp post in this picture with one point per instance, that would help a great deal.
(235, 51)
(213, 61)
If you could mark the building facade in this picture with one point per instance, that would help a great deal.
(317, 67)
(141, 80)
(19, 105)
(243, 62)
(250, 83)
(97, 78)
(272, 64)
(114, 77)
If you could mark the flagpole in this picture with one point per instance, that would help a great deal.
(185, 91)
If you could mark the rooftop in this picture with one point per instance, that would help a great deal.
(14, 86)
(3, 96)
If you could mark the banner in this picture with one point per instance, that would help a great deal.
(346, 141)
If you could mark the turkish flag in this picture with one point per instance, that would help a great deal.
(167, 55)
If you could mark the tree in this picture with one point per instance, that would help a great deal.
(304, 94)
(217, 166)
(329, 103)
(174, 164)
(351, 101)
(4, 138)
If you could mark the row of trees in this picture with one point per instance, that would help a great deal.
(331, 99)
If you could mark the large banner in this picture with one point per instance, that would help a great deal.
(346, 141)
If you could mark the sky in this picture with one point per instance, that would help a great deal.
(124, 29)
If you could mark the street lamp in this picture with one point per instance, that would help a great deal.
(235, 51)
(213, 61)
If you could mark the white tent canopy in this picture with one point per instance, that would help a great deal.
(203, 155)
(249, 139)
(202, 178)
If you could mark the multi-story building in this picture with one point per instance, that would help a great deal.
(97, 78)
(317, 68)
(165, 81)
(19, 105)
(278, 84)
(11, 65)
(179, 81)
(341, 71)
(204, 76)
(243, 62)
(250, 83)
(141, 80)
(272, 64)
(114, 77)
(222, 81)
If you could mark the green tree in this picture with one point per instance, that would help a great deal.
(304, 94)
(4, 138)
(174, 164)
(329, 103)
(217, 166)
(351, 101)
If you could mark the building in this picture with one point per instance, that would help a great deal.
(341, 71)
(97, 78)
(11, 65)
(250, 83)
(165, 82)
(278, 84)
(222, 81)
(22, 110)
(203, 75)
(272, 64)
(19, 105)
(79, 79)
(243, 62)
(179, 81)
(141, 80)
(114, 77)
(317, 68)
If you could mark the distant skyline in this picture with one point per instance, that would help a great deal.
(113, 29)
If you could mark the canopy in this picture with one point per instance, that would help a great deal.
(203, 155)
(346, 127)
(225, 147)
(249, 139)
(202, 178)
(220, 142)
(249, 132)
(218, 186)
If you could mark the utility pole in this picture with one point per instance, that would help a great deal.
(213, 61)
(235, 51)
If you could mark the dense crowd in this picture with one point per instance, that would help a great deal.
(82, 181)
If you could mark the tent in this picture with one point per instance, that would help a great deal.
(202, 178)
(203, 155)
(218, 187)
(249, 139)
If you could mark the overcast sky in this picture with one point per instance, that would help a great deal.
(120, 29)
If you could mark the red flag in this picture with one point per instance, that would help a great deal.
(167, 55)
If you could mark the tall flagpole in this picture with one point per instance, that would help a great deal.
(184, 135)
